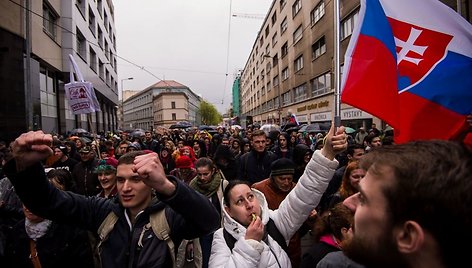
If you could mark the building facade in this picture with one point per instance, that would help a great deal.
(290, 68)
(236, 104)
(162, 104)
(36, 38)
(170, 108)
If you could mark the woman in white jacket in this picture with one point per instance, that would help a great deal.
(246, 213)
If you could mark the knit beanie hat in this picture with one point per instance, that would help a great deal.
(106, 165)
(183, 162)
(282, 166)
(63, 149)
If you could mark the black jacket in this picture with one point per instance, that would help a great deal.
(61, 246)
(254, 167)
(86, 181)
(121, 248)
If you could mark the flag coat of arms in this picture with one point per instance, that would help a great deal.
(410, 64)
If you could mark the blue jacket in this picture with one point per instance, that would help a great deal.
(188, 213)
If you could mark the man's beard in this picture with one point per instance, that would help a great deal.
(383, 253)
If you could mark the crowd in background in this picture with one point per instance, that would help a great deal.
(271, 162)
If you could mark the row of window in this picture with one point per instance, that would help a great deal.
(250, 86)
(315, 15)
(318, 48)
(318, 86)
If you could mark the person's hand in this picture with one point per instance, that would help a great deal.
(30, 148)
(335, 142)
(255, 230)
(152, 173)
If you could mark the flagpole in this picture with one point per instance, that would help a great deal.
(337, 66)
(94, 134)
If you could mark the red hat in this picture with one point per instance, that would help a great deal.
(183, 162)
(107, 165)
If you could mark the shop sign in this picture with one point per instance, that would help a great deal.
(354, 113)
(320, 117)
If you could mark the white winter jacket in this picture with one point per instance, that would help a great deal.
(288, 218)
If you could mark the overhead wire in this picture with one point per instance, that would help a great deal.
(227, 50)
(142, 68)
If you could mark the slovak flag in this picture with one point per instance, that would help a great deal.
(293, 119)
(410, 64)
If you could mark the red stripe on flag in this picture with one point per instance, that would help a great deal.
(371, 83)
(422, 119)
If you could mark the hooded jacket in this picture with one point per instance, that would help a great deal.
(292, 212)
(121, 248)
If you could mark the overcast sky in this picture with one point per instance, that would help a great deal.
(186, 41)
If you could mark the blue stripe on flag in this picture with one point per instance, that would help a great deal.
(376, 25)
(449, 84)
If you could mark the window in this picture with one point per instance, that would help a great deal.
(105, 20)
(268, 86)
(49, 21)
(107, 76)
(282, 4)
(263, 91)
(172, 105)
(100, 37)
(81, 6)
(91, 21)
(318, 48)
(100, 7)
(93, 60)
(107, 50)
(274, 39)
(286, 98)
(101, 69)
(284, 49)
(275, 60)
(274, 18)
(298, 34)
(283, 25)
(300, 93)
(48, 84)
(81, 45)
(276, 80)
(284, 74)
(321, 85)
(317, 13)
(347, 25)
(174, 116)
(267, 31)
(298, 63)
(297, 5)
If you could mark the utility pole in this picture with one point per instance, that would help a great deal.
(27, 73)
(122, 101)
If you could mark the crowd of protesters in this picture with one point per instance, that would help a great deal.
(231, 198)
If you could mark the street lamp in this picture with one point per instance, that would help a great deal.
(122, 100)
(279, 75)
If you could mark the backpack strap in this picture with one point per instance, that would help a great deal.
(229, 239)
(105, 228)
(271, 229)
(274, 232)
(161, 229)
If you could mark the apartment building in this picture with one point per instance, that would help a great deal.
(162, 104)
(36, 38)
(290, 68)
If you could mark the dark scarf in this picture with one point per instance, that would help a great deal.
(209, 188)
